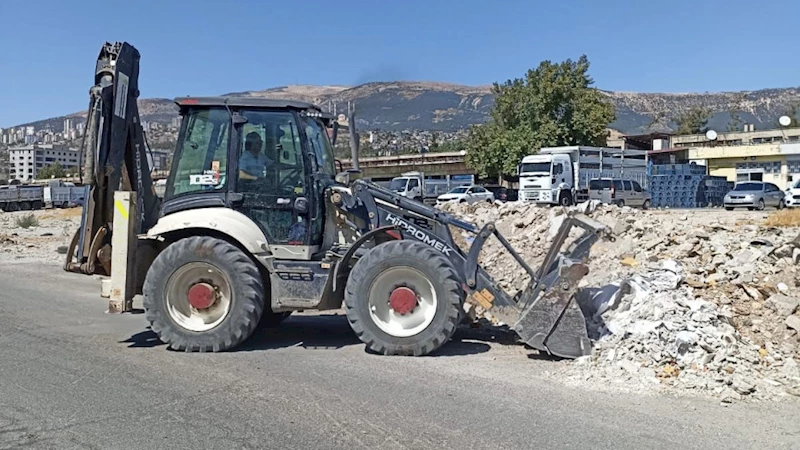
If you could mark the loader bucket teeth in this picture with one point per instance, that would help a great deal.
(553, 322)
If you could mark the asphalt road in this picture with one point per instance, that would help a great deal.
(74, 377)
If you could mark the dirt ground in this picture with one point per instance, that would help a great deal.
(37, 240)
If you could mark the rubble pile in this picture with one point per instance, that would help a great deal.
(692, 301)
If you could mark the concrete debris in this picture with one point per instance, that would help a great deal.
(694, 302)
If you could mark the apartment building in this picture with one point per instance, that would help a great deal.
(26, 161)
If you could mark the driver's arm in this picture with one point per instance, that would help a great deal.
(245, 176)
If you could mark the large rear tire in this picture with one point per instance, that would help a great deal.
(403, 298)
(203, 294)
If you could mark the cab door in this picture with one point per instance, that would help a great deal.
(273, 181)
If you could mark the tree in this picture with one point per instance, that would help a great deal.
(552, 105)
(52, 171)
(693, 121)
(434, 141)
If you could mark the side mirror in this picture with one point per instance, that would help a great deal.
(301, 205)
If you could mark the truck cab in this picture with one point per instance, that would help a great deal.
(546, 179)
(410, 185)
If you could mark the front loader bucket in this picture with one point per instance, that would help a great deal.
(551, 319)
(554, 323)
(545, 315)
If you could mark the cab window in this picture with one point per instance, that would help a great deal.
(320, 145)
(201, 157)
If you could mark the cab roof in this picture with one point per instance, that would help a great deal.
(249, 102)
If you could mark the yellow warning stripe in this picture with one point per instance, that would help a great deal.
(121, 209)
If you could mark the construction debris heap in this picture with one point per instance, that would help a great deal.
(678, 300)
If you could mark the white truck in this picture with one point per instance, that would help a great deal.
(560, 175)
(410, 185)
(415, 186)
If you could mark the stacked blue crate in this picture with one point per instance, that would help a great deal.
(685, 186)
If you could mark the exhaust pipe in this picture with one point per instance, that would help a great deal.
(351, 121)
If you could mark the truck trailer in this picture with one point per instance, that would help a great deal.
(560, 175)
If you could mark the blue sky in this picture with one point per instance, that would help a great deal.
(200, 47)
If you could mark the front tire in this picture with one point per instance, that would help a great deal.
(203, 294)
(403, 298)
(761, 205)
(566, 198)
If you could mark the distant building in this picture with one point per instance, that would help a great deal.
(764, 155)
(26, 161)
(158, 160)
(67, 125)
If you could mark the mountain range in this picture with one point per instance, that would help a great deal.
(408, 105)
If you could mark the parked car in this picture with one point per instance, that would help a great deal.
(466, 194)
(792, 197)
(754, 195)
(502, 193)
(619, 191)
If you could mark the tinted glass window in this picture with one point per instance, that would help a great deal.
(201, 159)
(636, 186)
(535, 167)
(318, 139)
(749, 187)
(412, 183)
(618, 185)
(597, 185)
(628, 185)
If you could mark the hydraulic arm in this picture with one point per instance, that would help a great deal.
(114, 158)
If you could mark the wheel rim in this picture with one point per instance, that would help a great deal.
(390, 307)
(198, 296)
(760, 204)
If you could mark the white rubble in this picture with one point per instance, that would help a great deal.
(686, 301)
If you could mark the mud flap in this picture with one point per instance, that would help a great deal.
(553, 322)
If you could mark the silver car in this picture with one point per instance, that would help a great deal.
(754, 195)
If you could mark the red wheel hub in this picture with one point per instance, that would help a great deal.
(201, 295)
(403, 300)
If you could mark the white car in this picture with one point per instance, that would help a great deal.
(792, 198)
(467, 194)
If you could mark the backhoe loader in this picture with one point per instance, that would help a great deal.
(256, 223)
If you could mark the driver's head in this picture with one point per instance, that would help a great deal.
(252, 142)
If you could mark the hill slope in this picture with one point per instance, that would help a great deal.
(396, 106)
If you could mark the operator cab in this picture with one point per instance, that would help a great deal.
(271, 160)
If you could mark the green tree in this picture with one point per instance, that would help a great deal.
(434, 142)
(693, 121)
(52, 171)
(451, 146)
(553, 105)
